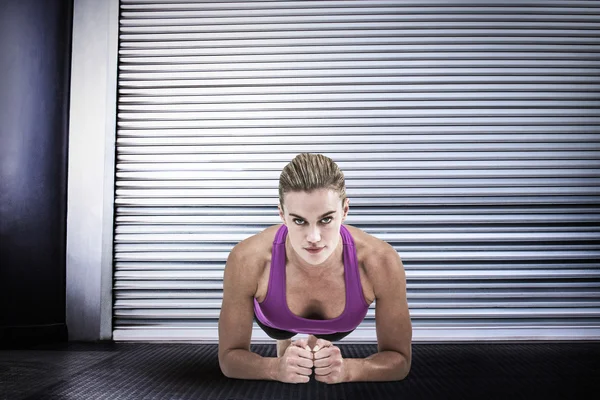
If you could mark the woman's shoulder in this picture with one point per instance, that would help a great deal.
(365, 240)
(370, 250)
(377, 258)
(257, 248)
(248, 260)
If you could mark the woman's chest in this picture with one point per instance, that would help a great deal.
(316, 297)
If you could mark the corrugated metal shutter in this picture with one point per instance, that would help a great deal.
(468, 132)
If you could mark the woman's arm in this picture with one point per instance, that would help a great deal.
(392, 321)
(243, 364)
(378, 367)
(394, 330)
(235, 321)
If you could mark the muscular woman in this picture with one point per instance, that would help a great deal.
(313, 275)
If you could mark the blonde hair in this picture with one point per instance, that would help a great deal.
(308, 172)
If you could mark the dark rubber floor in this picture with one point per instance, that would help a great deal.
(188, 371)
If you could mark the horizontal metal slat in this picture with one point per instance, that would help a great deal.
(283, 28)
(478, 313)
(443, 106)
(126, 178)
(128, 297)
(583, 246)
(380, 79)
(255, 5)
(349, 117)
(434, 56)
(139, 276)
(157, 305)
(375, 165)
(492, 285)
(165, 285)
(214, 270)
(155, 240)
(389, 156)
(254, 151)
(447, 255)
(135, 39)
(422, 213)
(468, 331)
(403, 15)
(429, 256)
(149, 287)
(326, 10)
(292, 88)
(364, 192)
(549, 139)
(427, 245)
(245, 40)
(592, 50)
(387, 226)
(313, 121)
(141, 103)
(483, 131)
(381, 201)
(448, 182)
(433, 218)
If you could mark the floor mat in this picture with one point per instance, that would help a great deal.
(191, 371)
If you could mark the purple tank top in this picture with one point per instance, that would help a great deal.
(274, 312)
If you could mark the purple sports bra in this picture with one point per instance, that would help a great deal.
(274, 312)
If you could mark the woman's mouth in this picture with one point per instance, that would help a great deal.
(314, 250)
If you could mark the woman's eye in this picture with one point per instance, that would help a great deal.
(298, 221)
(326, 220)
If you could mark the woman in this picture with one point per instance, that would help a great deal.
(316, 276)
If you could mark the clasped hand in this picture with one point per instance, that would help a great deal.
(296, 364)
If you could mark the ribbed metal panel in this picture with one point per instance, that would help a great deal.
(469, 133)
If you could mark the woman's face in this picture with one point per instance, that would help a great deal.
(313, 221)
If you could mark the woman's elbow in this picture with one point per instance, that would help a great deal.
(223, 365)
(404, 368)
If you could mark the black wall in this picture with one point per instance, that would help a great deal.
(35, 51)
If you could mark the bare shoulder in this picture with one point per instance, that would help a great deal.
(369, 247)
(256, 245)
(254, 252)
(378, 258)
(240, 282)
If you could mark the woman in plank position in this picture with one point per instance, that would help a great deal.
(313, 275)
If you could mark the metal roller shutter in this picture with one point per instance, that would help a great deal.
(468, 133)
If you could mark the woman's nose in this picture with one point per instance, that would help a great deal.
(314, 236)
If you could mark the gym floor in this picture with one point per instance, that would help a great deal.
(191, 371)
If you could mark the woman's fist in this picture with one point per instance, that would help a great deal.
(295, 366)
(329, 364)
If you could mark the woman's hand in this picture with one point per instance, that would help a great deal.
(329, 364)
(295, 366)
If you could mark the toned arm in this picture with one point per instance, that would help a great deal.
(392, 320)
(235, 321)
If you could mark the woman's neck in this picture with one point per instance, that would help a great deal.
(330, 265)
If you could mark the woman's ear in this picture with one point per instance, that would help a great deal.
(281, 213)
(345, 208)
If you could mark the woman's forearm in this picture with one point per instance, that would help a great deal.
(378, 367)
(243, 364)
